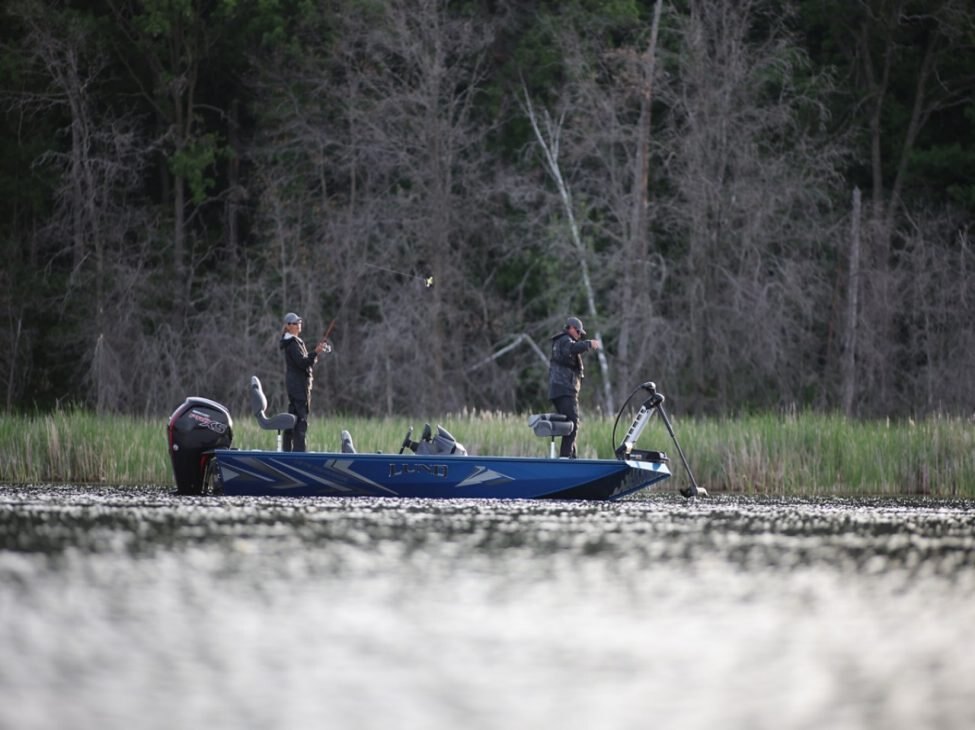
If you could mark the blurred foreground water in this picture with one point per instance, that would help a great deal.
(133, 608)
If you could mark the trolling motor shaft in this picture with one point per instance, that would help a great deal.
(642, 419)
(655, 404)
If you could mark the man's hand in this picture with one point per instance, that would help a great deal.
(596, 344)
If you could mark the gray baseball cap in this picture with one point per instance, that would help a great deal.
(577, 323)
(291, 318)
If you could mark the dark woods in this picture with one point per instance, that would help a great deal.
(756, 204)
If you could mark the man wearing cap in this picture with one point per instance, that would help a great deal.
(298, 378)
(565, 375)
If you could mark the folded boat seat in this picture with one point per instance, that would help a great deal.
(280, 422)
(442, 444)
(550, 425)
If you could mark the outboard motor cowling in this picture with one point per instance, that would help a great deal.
(197, 427)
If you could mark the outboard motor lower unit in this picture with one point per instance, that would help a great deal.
(198, 426)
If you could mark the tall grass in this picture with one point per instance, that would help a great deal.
(829, 454)
(804, 454)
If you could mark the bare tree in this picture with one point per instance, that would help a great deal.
(398, 190)
(713, 279)
(891, 40)
(634, 293)
(14, 360)
(753, 184)
(931, 368)
(547, 134)
(848, 363)
(98, 171)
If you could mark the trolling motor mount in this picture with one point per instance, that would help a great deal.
(653, 404)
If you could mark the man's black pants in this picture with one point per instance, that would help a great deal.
(568, 406)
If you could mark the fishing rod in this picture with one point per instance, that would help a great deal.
(328, 331)
(427, 280)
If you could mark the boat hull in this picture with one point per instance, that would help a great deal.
(312, 474)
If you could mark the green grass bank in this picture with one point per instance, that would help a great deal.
(805, 454)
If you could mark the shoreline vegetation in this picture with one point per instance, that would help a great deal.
(804, 454)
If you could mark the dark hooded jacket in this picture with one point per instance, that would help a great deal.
(565, 371)
(298, 366)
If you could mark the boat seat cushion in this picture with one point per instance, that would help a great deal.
(279, 422)
(550, 425)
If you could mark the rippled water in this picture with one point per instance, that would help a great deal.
(138, 609)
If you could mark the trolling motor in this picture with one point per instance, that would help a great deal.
(654, 403)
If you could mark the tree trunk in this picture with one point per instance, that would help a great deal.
(549, 142)
(848, 365)
(232, 211)
(635, 256)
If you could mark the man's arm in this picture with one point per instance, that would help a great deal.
(580, 346)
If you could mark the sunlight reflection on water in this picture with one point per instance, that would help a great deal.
(134, 608)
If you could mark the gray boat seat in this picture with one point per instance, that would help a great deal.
(280, 422)
(550, 425)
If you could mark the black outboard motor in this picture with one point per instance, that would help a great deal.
(195, 428)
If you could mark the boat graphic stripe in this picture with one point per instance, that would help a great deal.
(483, 476)
(344, 467)
(281, 476)
(264, 469)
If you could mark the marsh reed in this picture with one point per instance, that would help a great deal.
(795, 454)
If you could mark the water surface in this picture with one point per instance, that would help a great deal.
(134, 608)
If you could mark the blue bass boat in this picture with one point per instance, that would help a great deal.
(293, 474)
(437, 466)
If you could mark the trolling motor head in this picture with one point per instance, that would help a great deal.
(651, 388)
(655, 398)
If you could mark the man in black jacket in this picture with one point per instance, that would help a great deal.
(565, 375)
(298, 378)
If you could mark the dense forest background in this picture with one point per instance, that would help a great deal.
(758, 205)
